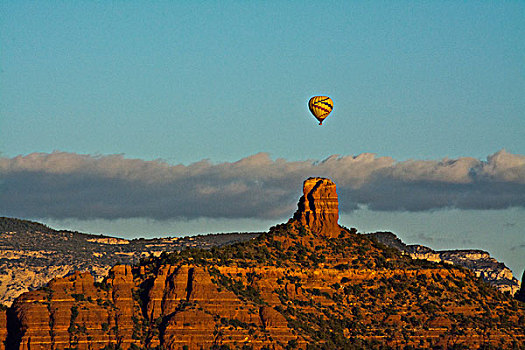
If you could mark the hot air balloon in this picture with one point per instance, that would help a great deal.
(320, 106)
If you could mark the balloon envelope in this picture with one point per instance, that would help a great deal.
(320, 106)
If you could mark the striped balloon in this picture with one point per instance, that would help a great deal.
(320, 106)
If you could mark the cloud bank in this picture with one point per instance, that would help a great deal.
(68, 185)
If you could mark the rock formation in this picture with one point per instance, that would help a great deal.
(318, 208)
(290, 288)
(182, 301)
(32, 254)
(479, 261)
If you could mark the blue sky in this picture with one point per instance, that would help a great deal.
(186, 81)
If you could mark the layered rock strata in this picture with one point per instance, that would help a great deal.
(318, 208)
(479, 261)
(320, 287)
(179, 305)
(32, 254)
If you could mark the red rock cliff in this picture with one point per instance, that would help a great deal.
(318, 208)
(289, 288)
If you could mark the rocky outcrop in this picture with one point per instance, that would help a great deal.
(484, 266)
(205, 307)
(32, 254)
(290, 288)
(75, 312)
(177, 306)
(18, 279)
(479, 261)
(318, 208)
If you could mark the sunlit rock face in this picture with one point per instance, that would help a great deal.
(318, 208)
(182, 303)
(288, 288)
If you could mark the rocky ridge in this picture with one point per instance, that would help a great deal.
(479, 261)
(289, 288)
(32, 254)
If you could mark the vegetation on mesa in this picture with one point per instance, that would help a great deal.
(287, 245)
(306, 284)
(368, 294)
(31, 254)
(287, 288)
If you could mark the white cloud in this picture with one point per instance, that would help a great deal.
(67, 185)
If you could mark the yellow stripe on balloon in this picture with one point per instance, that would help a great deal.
(320, 106)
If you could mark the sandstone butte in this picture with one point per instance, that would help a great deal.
(308, 284)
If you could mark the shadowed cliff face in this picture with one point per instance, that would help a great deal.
(521, 293)
(318, 208)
